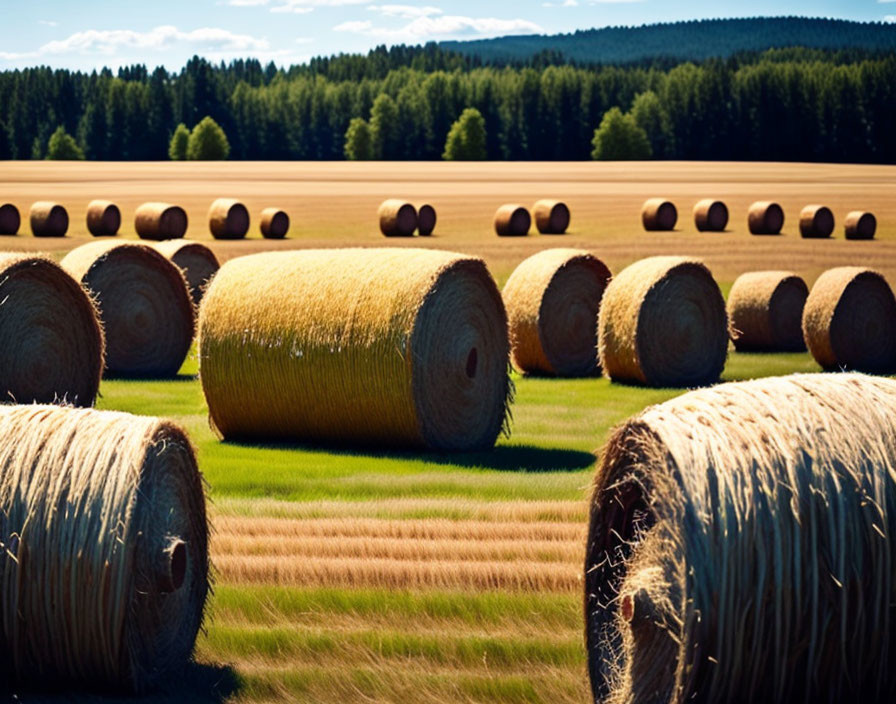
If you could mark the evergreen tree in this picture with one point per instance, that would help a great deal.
(63, 147)
(384, 128)
(177, 149)
(358, 141)
(619, 138)
(207, 142)
(5, 143)
(466, 138)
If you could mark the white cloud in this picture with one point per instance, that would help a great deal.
(48, 23)
(442, 27)
(565, 3)
(302, 7)
(407, 12)
(247, 3)
(890, 18)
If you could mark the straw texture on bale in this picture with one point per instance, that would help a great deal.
(197, 262)
(849, 321)
(426, 220)
(103, 218)
(10, 220)
(816, 221)
(659, 215)
(160, 221)
(741, 546)
(274, 224)
(228, 219)
(663, 323)
(512, 221)
(551, 217)
(104, 569)
(51, 342)
(397, 218)
(860, 225)
(144, 305)
(765, 218)
(711, 215)
(395, 347)
(553, 300)
(765, 310)
(48, 219)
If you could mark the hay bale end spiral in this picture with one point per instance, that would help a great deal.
(765, 310)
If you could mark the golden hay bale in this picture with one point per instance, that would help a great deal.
(9, 219)
(274, 224)
(51, 342)
(512, 221)
(711, 215)
(398, 347)
(816, 221)
(197, 262)
(663, 323)
(397, 218)
(551, 217)
(860, 225)
(103, 218)
(849, 321)
(160, 221)
(48, 219)
(765, 218)
(228, 219)
(659, 215)
(105, 570)
(765, 310)
(553, 299)
(144, 304)
(741, 546)
(426, 220)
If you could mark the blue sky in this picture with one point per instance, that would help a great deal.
(88, 35)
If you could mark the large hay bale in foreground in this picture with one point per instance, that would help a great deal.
(397, 347)
(197, 262)
(741, 546)
(553, 300)
(512, 221)
(765, 310)
(816, 221)
(104, 574)
(860, 225)
(48, 219)
(397, 218)
(51, 342)
(103, 218)
(658, 215)
(228, 219)
(10, 220)
(426, 220)
(765, 218)
(663, 323)
(274, 224)
(551, 217)
(160, 221)
(711, 215)
(849, 321)
(144, 304)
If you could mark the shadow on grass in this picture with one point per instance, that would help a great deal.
(108, 376)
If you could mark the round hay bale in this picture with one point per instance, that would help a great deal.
(51, 341)
(228, 219)
(160, 221)
(849, 321)
(426, 220)
(197, 262)
(103, 218)
(551, 217)
(553, 299)
(659, 215)
(765, 218)
(711, 215)
(663, 323)
(397, 218)
(399, 347)
(274, 224)
(816, 221)
(48, 219)
(105, 570)
(144, 305)
(512, 221)
(860, 225)
(9, 219)
(765, 310)
(741, 545)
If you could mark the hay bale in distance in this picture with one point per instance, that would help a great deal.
(426, 220)
(816, 221)
(860, 225)
(106, 576)
(274, 224)
(711, 215)
(398, 347)
(849, 321)
(659, 215)
(144, 305)
(739, 548)
(551, 217)
(663, 323)
(10, 220)
(197, 262)
(553, 299)
(51, 342)
(48, 219)
(512, 221)
(228, 219)
(103, 218)
(765, 218)
(397, 218)
(160, 221)
(765, 310)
